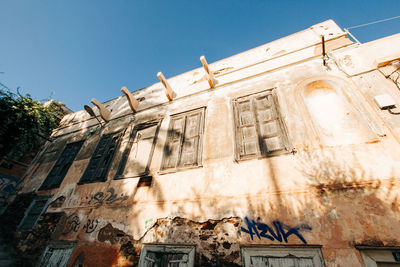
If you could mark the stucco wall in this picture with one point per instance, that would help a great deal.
(334, 196)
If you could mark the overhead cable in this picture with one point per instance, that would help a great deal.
(374, 22)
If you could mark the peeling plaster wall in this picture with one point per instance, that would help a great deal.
(336, 197)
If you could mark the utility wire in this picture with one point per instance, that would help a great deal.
(374, 22)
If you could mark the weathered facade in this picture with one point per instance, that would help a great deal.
(291, 157)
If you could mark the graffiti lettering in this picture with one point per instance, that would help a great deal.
(90, 226)
(108, 197)
(72, 224)
(281, 232)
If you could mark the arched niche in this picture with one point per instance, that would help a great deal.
(334, 113)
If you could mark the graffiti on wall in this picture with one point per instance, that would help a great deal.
(279, 231)
(90, 226)
(73, 224)
(100, 198)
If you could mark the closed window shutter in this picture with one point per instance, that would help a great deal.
(177, 260)
(60, 169)
(99, 164)
(106, 159)
(183, 145)
(174, 142)
(55, 257)
(259, 128)
(161, 259)
(152, 260)
(271, 135)
(33, 213)
(246, 129)
(259, 261)
(191, 139)
(138, 152)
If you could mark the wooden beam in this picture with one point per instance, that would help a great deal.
(324, 57)
(210, 75)
(90, 111)
(167, 87)
(133, 103)
(104, 113)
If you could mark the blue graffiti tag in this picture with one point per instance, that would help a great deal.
(281, 232)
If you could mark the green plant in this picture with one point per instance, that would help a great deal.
(24, 122)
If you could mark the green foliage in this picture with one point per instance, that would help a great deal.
(22, 121)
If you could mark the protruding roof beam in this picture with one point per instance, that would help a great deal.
(104, 113)
(91, 112)
(210, 75)
(133, 103)
(168, 88)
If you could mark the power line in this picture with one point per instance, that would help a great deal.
(374, 22)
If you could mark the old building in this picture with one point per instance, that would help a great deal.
(13, 165)
(284, 155)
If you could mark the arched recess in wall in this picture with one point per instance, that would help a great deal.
(334, 113)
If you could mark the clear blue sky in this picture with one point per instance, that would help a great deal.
(84, 49)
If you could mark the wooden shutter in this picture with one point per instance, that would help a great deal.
(56, 257)
(137, 156)
(33, 213)
(270, 130)
(99, 164)
(174, 142)
(161, 259)
(282, 257)
(259, 128)
(191, 140)
(60, 169)
(246, 131)
(260, 261)
(183, 146)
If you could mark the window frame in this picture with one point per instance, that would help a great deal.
(373, 255)
(43, 187)
(261, 150)
(313, 252)
(190, 250)
(85, 180)
(29, 209)
(66, 245)
(125, 154)
(163, 168)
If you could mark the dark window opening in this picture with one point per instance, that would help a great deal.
(32, 215)
(60, 169)
(99, 164)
